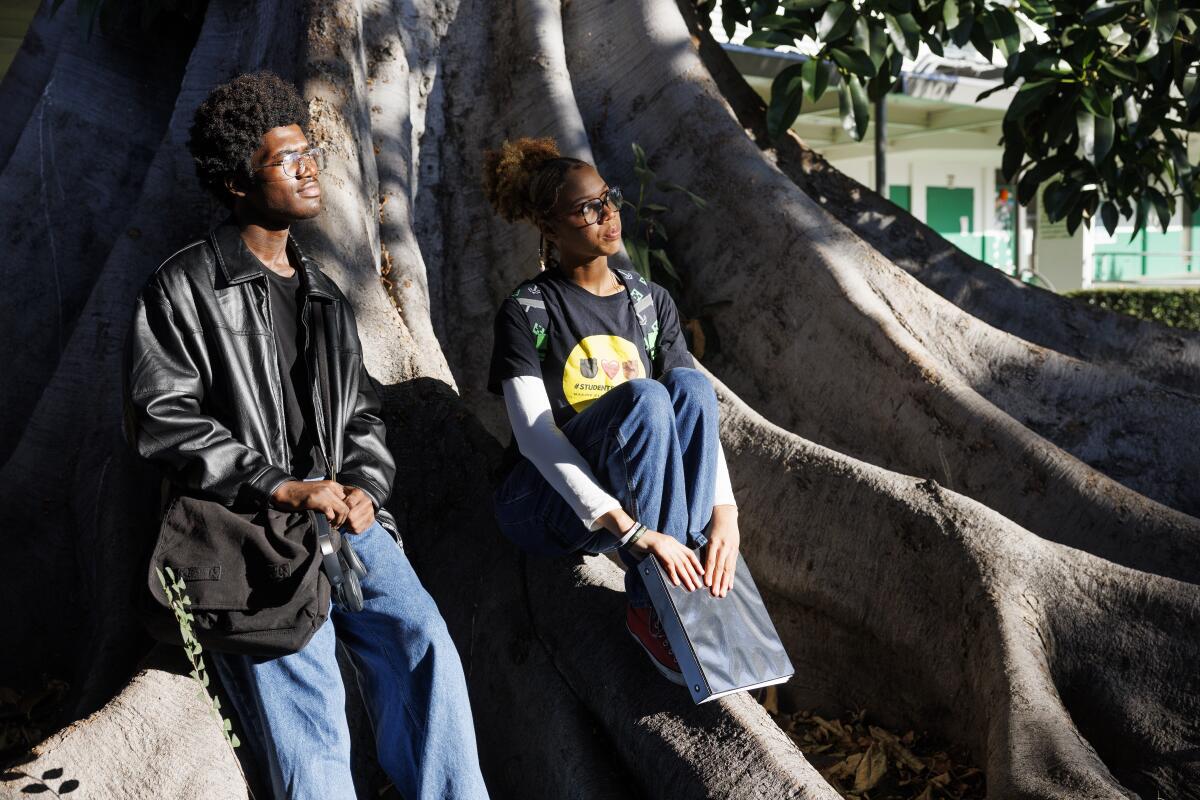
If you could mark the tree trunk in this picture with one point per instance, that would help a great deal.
(967, 519)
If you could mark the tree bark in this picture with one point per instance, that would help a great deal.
(993, 549)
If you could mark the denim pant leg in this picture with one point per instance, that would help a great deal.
(293, 707)
(293, 712)
(697, 425)
(629, 439)
(411, 674)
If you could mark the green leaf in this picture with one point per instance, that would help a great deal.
(1096, 103)
(1109, 216)
(1102, 13)
(1007, 34)
(660, 256)
(789, 25)
(1028, 97)
(835, 22)
(1161, 207)
(658, 208)
(234, 741)
(668, 186)
(981, 41)
(1057, 198)
(815, 74)
(853, 107)
(950, 14)
(638, 256)
(1118, 70)
(903, 30)
(799, 5)
(787, 98)
(639, 156)
(768, 40)
(1150, 50)
(1163, 16)
(1105, 132)
(854, 60)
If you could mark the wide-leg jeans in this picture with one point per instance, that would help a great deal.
(293, 708)
(652, 444)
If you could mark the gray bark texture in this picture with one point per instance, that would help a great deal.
(971, 505)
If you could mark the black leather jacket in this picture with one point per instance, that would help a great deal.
(203, 397)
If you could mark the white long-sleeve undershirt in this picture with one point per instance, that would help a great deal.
(560, 463)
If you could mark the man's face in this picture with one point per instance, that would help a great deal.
(274, 193)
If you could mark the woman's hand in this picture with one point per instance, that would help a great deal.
(722, 551)
(681, 564)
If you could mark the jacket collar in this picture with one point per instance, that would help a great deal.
(239, 265)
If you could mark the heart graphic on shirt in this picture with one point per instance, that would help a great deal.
(610, 366)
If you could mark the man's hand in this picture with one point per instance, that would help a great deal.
(362, 509)
(681, 564)
(722, 551)
(328, 497)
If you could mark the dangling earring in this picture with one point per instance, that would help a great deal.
(541, 254)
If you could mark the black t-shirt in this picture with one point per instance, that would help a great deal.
(297, 390)
(594, 343)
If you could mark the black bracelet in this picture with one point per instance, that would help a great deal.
(637, 534)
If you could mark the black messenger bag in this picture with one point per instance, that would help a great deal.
(255, 580)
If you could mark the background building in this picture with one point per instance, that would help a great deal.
(943, 158)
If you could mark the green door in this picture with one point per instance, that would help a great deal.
(951, 212)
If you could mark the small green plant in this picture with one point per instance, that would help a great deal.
(647, 237)
(1177, 308)
(176, 591)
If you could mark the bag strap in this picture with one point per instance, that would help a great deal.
(638, 289)
(529, 296)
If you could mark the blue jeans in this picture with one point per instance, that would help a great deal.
(652, 444)
(293, 708)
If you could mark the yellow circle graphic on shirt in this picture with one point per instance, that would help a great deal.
(597, 364)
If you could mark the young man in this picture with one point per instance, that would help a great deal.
(221, 393)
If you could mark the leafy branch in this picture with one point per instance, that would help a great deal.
(647, 239)
(1108, 92)
(176, 592)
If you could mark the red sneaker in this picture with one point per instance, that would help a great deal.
(644, 627)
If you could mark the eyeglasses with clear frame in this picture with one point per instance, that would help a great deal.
(593, 210)
(293, 163)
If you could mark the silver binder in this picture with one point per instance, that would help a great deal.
(723, 645)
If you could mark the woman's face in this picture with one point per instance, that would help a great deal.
(577, 241)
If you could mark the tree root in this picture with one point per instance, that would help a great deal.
(984, 628)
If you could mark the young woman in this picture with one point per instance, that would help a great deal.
(616, 429)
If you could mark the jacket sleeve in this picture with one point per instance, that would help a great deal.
(366, 461)
(163, 418)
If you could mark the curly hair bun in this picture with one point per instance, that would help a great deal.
(508, 175)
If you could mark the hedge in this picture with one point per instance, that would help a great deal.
(1178, 308)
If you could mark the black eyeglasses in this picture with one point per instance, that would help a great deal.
(293, 163)
(593, 210)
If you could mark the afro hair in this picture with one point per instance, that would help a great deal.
(229, 125)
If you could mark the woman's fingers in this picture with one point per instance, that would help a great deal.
(727, 578)
(710, 567)
(717, 576)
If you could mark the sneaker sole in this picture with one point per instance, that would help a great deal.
(667, 672)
